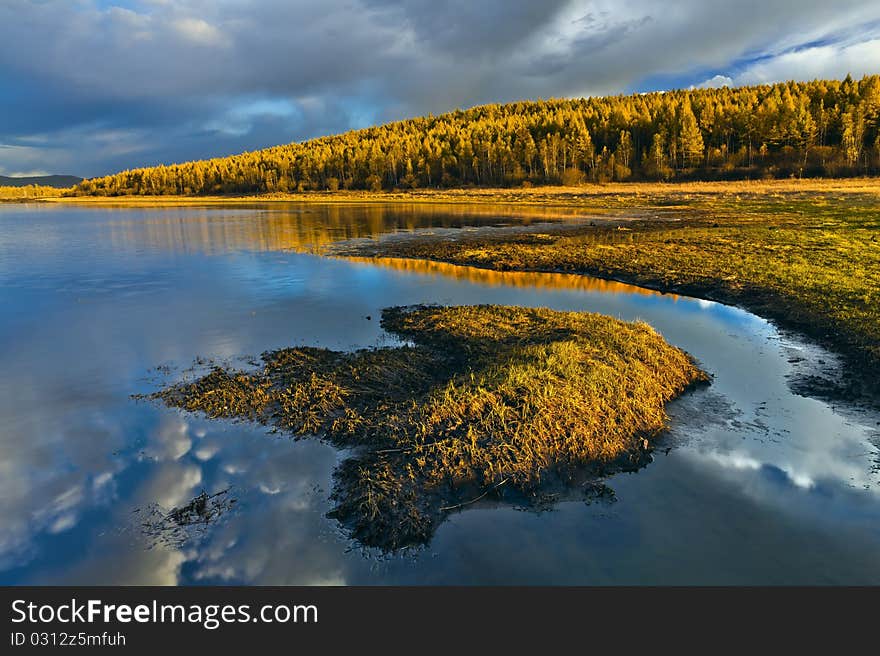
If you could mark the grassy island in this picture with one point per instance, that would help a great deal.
(475, 399)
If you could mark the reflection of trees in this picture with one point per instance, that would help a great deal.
(523, 279)
(302, 227)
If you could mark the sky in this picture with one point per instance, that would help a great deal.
(90, 87)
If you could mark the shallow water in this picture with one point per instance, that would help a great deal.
(758, 485)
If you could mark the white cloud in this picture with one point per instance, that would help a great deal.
(715, 82)
(135, 25)
(826, 61)
(199, 31)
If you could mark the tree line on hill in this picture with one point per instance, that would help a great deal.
(25, 192)
(819, 128)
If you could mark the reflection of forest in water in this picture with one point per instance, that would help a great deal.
(521, 279)
(306, 227)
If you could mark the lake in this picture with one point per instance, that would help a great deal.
(753, 484)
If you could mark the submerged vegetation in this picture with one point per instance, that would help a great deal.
(181, 524)
(806, 258)
(478, 399)
(818, 128)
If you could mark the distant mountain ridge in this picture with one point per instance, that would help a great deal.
(58, 181)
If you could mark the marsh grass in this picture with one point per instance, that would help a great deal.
(807, 257)
(479, 399)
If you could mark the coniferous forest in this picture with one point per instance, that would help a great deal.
(823, 128)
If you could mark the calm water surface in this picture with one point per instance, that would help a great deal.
(758, 485)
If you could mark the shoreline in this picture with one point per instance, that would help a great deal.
(567, 196)
(811, 383)
(630, 250)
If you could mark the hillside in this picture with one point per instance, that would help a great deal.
(821, 128)
(57, 181)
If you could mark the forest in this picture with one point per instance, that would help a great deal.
(27, 192)
(823, 128)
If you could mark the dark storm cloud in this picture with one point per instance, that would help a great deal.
(90, 86)
(463, 28)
